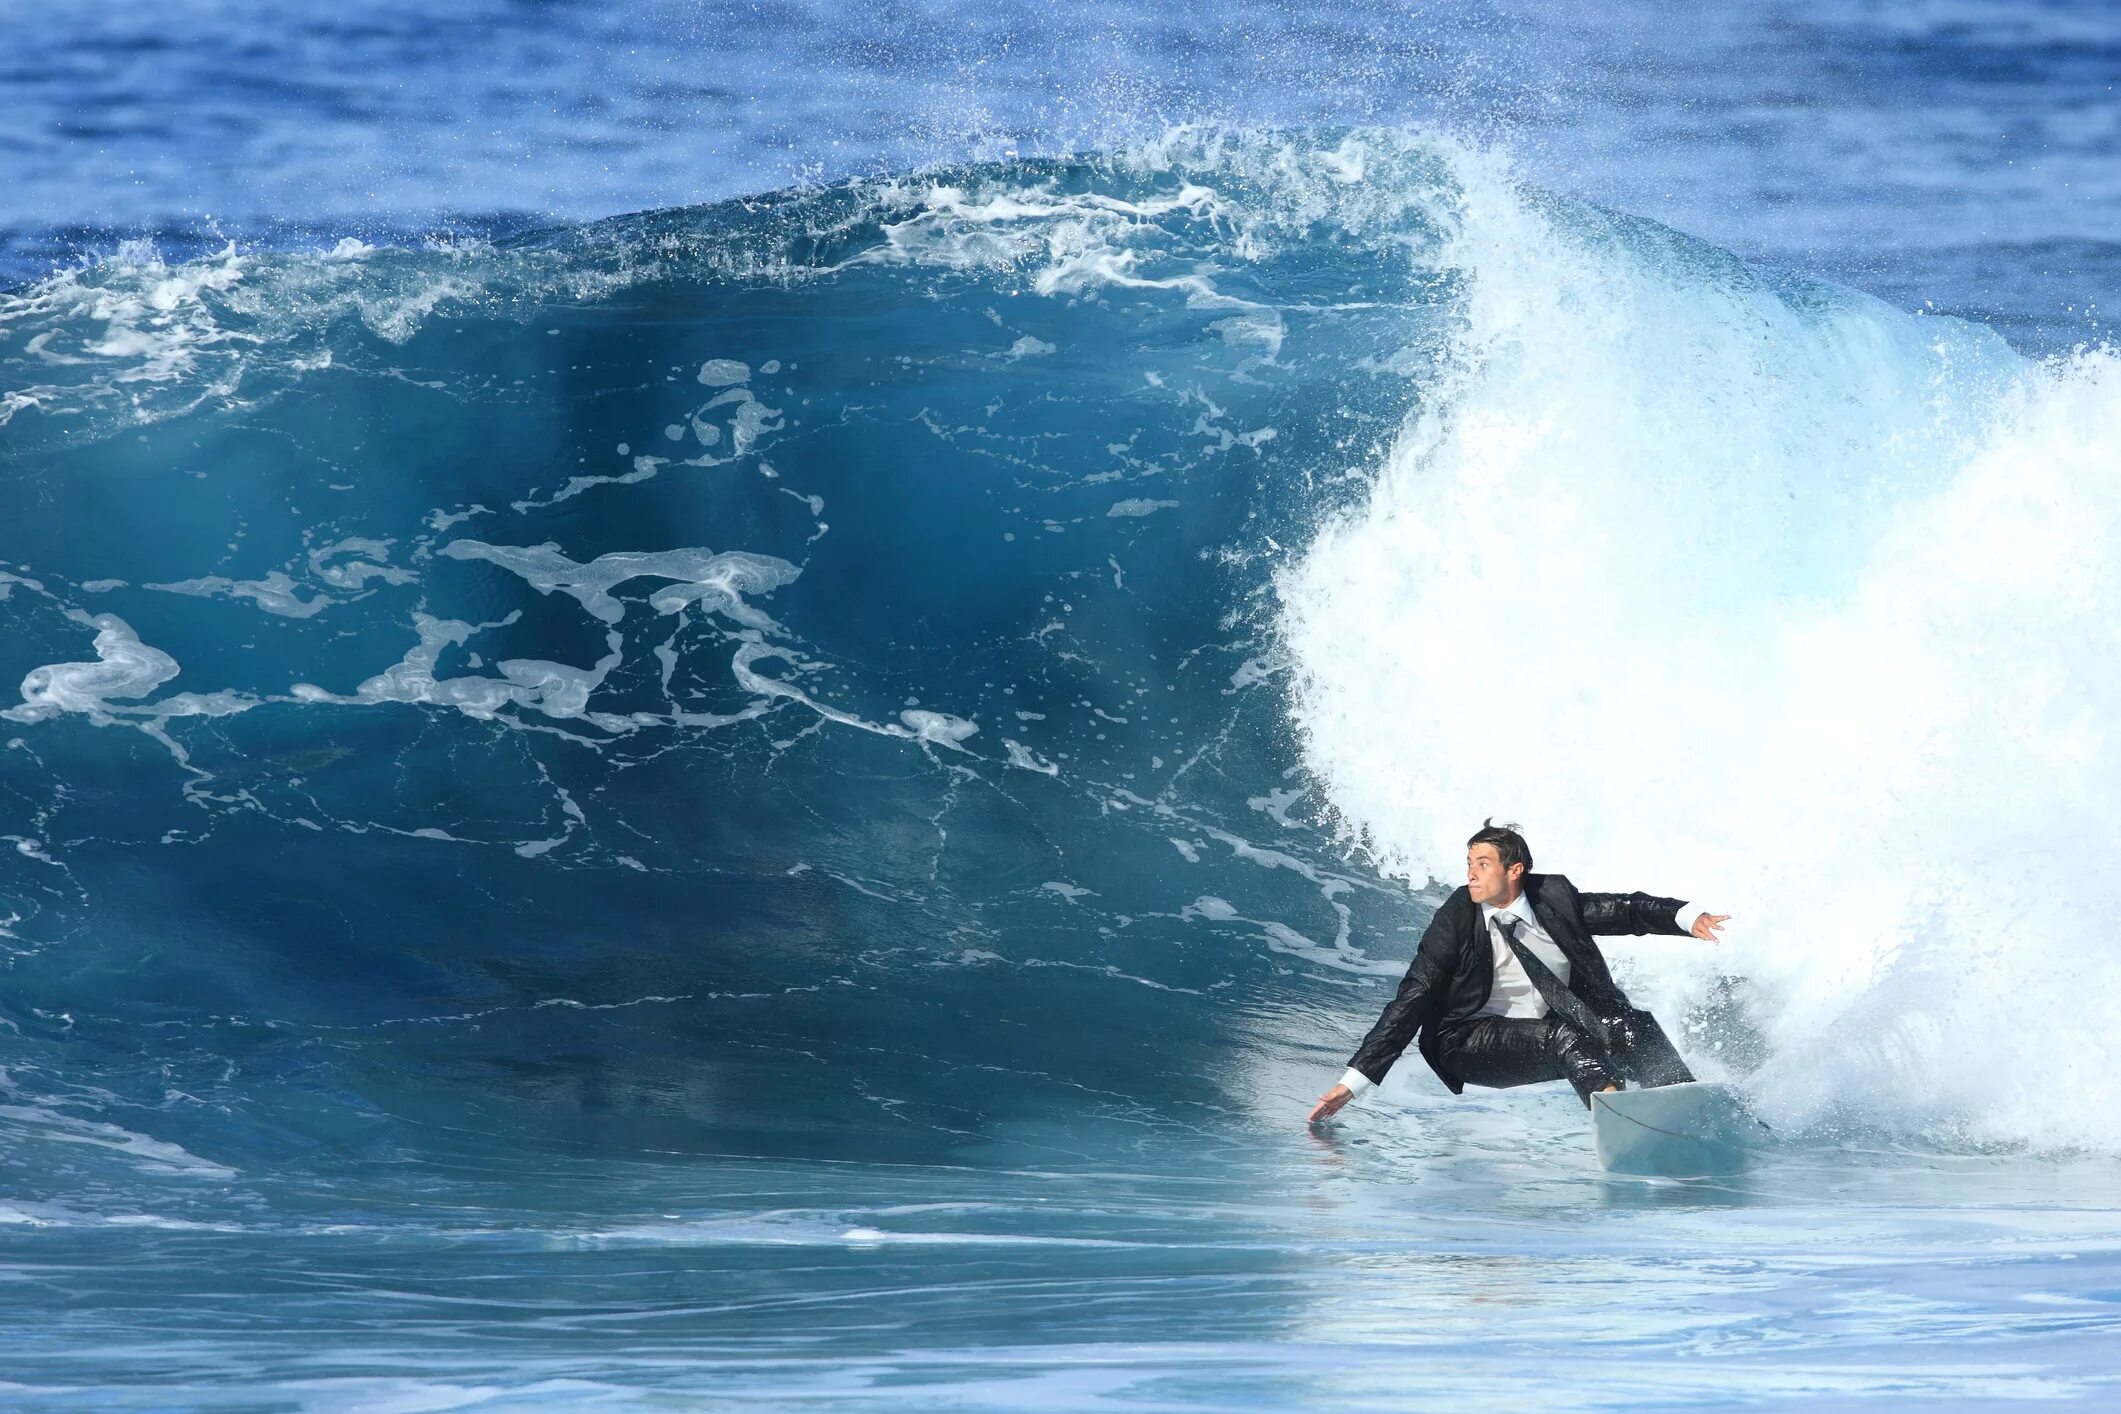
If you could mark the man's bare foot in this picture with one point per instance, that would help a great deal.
(1609, 1089)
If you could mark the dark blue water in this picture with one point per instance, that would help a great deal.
(728, 704)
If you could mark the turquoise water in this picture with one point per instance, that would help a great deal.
(659, 793)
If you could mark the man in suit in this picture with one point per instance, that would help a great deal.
(1508, 988)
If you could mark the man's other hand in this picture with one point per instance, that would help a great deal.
(1706, 925)
(1329, 1103)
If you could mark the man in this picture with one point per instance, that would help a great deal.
(1507, 987)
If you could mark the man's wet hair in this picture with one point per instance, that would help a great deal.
(1510, 847)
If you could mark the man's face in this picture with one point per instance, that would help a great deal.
(1486, 880)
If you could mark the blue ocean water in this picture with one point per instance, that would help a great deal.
(732, 705)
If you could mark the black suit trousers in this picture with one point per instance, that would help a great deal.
(1500, 1052)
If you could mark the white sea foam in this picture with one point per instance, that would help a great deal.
(346, 564)
(277, 593)
(554, 689)
(1138, 506)
(1024, 758)
(939, 728)
(32, 1122)
(1771, 596)
(809, 1228)
(714, 582)
(705, 581)
(124, 668)
(352, 562)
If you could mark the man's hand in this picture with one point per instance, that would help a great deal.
(1329, 1103)
(1706, 925)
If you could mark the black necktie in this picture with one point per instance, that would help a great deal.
(1559, 999)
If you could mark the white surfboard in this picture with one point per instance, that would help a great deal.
(1675, 1131)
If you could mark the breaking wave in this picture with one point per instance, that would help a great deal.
(922, 665)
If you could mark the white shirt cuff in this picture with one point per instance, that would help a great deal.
(1357, 1082)
(1688, 912)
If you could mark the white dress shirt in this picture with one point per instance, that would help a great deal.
(1513, 995)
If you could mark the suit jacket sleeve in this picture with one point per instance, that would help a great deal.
(1421, 991)
(1616, 914)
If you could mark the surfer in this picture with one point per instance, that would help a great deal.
(1508, 988)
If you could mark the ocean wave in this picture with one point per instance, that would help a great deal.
(1004, 641)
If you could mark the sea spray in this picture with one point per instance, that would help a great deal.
(1734, 586)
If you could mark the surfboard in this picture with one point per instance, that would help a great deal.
(1675, 1131)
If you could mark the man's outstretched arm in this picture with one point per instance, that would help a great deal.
(1638, 913)
(1395, 1028)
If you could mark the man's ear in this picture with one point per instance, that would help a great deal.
(1516, 872)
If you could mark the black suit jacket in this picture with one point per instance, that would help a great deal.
(1453, 970)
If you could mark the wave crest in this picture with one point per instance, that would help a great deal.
(1746, 587)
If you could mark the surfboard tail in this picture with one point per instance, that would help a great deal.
(1694, 1130)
